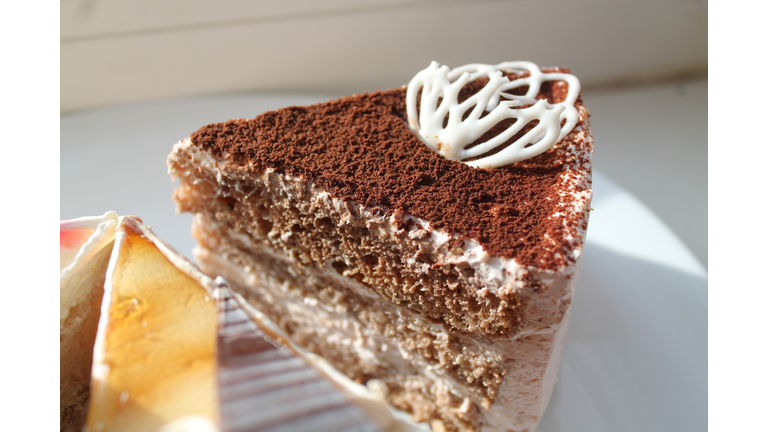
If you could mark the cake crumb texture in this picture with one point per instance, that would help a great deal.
(448, 284)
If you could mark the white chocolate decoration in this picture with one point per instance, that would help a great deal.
(440, 87)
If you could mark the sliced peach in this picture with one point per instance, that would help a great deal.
(155, 355)
(86, 244)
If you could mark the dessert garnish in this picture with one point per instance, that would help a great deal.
(154, 360)
(163, 362)
(85, 246)
(452, 128)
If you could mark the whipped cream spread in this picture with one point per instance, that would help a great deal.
(439, 120)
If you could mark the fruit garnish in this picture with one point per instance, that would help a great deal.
(86, 244)
(155, 354)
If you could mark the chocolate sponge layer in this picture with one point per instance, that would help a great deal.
(360, 148)
(451, 285)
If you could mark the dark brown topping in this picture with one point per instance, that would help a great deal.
(360, 148)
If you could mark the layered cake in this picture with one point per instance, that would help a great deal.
(425, 238)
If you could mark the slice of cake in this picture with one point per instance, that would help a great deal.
(425, 239)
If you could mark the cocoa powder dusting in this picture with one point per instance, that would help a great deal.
(360, 148)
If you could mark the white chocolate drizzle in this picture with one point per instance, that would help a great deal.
(440, 87)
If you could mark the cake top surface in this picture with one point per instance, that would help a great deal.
(360, 148)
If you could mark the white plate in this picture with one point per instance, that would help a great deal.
(636, 356)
